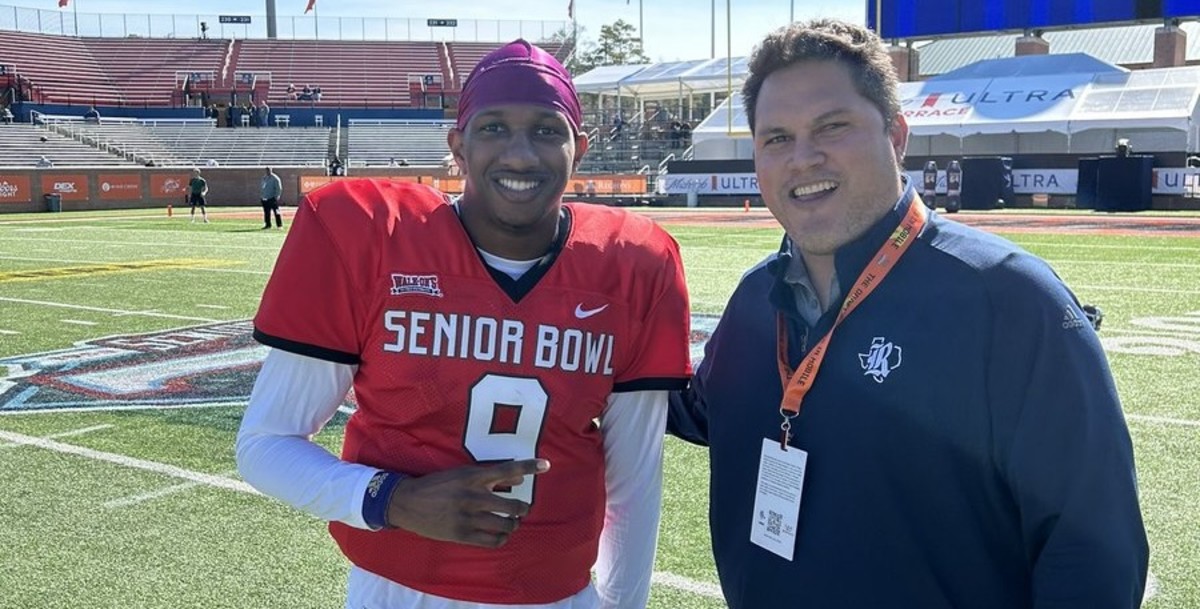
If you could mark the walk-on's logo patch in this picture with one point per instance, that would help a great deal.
(188, 367)
(415, 284)
(881, 359)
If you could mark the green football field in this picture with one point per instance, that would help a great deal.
(119, 483)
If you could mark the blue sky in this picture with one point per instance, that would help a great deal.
(675, 29)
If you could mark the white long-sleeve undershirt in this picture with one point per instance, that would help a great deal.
(295, 396)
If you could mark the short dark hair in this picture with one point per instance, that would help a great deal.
(827, 40)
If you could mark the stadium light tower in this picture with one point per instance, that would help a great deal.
(641, 30)
(271, 32)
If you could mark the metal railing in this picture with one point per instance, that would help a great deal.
(76, 128)
(132, 25)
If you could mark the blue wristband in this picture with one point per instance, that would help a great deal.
(376, 498)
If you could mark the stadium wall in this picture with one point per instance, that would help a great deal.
(24, 190)
(1039, 180)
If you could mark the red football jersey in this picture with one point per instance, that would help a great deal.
(459, 364)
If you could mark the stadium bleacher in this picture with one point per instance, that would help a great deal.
(198, 143)
(133, 139)
(61, 68)
(143, 69)
(146, 72)
(466, 56)
(350, 73)
(21, 145)
(376, 143)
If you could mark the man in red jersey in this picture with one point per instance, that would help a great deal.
(510, 356)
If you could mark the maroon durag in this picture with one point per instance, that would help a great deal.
(519, 73)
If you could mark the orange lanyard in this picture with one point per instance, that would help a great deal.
(797, 383)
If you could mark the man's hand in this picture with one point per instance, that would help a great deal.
(459, 505)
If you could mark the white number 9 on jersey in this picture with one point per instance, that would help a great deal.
(504, 422)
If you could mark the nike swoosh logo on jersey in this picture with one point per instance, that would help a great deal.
(582, 313)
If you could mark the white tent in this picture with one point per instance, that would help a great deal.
(1085, 110)
(666, 79)
(1067, 113)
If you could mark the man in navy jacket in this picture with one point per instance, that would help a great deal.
(958, 440)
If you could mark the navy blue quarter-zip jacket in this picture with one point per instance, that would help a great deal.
(966, 445)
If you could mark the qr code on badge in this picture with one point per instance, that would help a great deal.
(774, 522)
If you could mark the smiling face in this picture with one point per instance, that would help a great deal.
(827, 165)
(517, 159)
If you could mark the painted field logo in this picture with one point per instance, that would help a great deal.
(193, 366)
(1156, 336)
(199, 366)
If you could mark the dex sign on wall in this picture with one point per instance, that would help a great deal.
(70, 186)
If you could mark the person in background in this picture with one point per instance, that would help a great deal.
(899, 410)
(336, 168)
(511, 399)
(197, 191)
(271, 191)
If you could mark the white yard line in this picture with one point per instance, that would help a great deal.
(131, 462)
(211, 306)
(158, 244)
(1124, 288)
(680, 582)
(59, 260)
(1151, 587)
(66, 434)
(1106, 246)
(212, 270)
(78, 322)
(104, 310)
(1137, 331)
(9, 332)
(162, 492)
(79, 432)
(36, 411)
(173, 269)
(136, 313)
(1137, 263)
(1163, 420)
